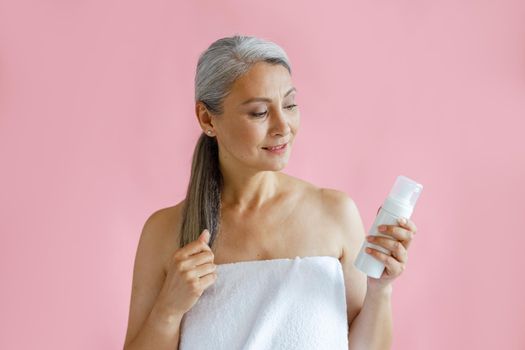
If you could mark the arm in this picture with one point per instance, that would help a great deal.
(397, 239)
(158, 332)
(150, 327)
(369, 309)
(372, 327)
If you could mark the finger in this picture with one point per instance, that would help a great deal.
(198, 259)
(396, 248)
(408, 224)
(208, 280)
(205, 236)
(393, 266)
(203, 270)
(193, 247)
(399, 233)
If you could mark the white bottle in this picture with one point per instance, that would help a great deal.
(399, 203)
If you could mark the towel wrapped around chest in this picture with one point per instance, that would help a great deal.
(272, 304)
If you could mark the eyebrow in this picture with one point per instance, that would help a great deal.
(265, 99)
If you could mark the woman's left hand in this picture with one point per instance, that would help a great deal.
(397, 243)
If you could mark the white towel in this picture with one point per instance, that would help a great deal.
(273, 304)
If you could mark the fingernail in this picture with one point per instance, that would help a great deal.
(402, 221)
(381, 228)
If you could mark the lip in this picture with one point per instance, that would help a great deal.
(279, 150)
(279, 145)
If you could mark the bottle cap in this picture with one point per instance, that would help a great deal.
(406, 191)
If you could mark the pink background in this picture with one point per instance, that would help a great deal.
(97, 130)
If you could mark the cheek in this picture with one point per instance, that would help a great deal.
(296, 122)
(245, 138)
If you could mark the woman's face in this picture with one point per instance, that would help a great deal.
(259, 112)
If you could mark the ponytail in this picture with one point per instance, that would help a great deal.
(203, 198)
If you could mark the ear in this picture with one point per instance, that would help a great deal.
(204, 117)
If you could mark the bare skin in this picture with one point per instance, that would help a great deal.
(285, 227)
(265, 214)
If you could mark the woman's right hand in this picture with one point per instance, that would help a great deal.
(190, 272)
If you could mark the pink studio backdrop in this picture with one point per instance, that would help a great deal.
(97, 129)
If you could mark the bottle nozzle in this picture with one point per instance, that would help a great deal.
(406, 190)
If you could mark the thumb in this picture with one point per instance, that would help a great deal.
(205, 236)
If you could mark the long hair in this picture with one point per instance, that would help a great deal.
(218, 67)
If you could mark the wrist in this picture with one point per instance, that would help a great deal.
(379, 290)
(164, 319)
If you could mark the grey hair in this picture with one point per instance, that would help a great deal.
(218, 68)
(226, 60)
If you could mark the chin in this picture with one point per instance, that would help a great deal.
(277, 165)
(271, 166)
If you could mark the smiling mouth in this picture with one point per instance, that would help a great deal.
(275, 147)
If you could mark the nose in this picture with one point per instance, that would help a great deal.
(280, 123)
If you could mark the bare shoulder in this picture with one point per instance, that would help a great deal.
(333, 210)
(331, 202)
(341, 208)
(339, 204)
(163, 227)
(304, 189)
(165, 219)
(330, 196)
(158, 240)
(336, 201)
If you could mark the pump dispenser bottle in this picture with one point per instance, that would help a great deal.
(399, 203)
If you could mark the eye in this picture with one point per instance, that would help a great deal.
(262, 114)
(258, 115)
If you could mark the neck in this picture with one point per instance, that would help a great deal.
(248, 190)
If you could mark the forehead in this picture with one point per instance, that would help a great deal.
(262, 80)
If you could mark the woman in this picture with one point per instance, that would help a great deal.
(243, 216)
